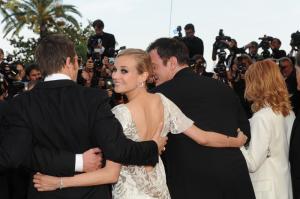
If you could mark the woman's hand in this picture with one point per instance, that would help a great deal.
(46, 183)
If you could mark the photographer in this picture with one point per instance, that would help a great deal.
(87, 76)
(234, 50)
(276, 53)
(33, 72)
(253, 51)
(289, 73)
(193, 43)
(101, 44)
(237, 79)
(198, 65)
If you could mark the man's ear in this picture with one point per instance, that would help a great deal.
(174, 63)
(68, 62)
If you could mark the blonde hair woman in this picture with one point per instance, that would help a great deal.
(271, 124)
(143, 113)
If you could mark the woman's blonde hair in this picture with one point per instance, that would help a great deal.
(265, 86)
(141, 57)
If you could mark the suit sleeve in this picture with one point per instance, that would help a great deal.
(53, 162)
(258, 149)
(243, 122)
(16, 138)
(108, 134)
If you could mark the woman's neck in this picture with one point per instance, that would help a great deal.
(136, 93)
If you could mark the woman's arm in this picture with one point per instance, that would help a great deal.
(213, 139)
(258, 150)
(109, 174)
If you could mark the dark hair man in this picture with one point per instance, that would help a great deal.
(289, 73)
(102, 43)
(63, 116)
(33, 72)
(294, 153)
(192, 170)
(193, 43)
(276, 52)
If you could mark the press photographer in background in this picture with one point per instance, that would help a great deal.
(10, 73)
(252, 48)
(198, 64)
(275, 46)
(101, 44)
(288, 71)
(265, 46)
(193, 43)
(236, 76)
(87, 76)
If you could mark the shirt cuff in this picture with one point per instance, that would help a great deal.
(79, 163)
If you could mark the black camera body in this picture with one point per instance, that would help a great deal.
(295, 40)
(265, 45)
(220, 44)
(8, 69)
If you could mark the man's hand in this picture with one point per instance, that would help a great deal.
(160, 141)
(92, 160)
(242, 138)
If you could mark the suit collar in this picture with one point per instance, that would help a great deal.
(182, 72)
(55, 84)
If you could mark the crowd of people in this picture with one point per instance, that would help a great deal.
(100, 129)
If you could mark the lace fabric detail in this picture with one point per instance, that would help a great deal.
(134, 181)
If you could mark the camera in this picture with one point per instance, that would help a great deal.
(177, 31)
(265, 45)
(220, 44)
(241, 67)
(8, 69)
(295, 40)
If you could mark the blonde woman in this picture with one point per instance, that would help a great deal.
(271, 124)
(143, 112)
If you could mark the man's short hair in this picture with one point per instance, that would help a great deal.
(254, 43)
(168, 47)
(297, 59)
(189, 26)
(278, 40)
(31, 67)
(285, 59)
(98, 23)
(52, 52)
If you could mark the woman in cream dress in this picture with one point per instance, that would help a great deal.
(139, 118)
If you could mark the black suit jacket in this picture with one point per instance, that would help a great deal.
(195, 171)
(63, 116)
(295, 157)
(4, 190)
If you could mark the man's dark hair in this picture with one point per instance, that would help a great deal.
(285, 59)
(297, 59)
(278, 40)
(168, 47)
(254, 43)
(52, 52)
(98, 23)
(31, 67)
(189, 26)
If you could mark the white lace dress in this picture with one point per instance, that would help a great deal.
(134, 181)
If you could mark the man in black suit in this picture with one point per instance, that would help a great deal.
(60, 115)
(295, 142)
(192, 170)
(4, 190)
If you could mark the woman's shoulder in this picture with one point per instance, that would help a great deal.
(122, 113)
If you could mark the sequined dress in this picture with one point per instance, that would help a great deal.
(134, 181)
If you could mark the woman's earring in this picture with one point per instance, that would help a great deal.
(141, 84)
